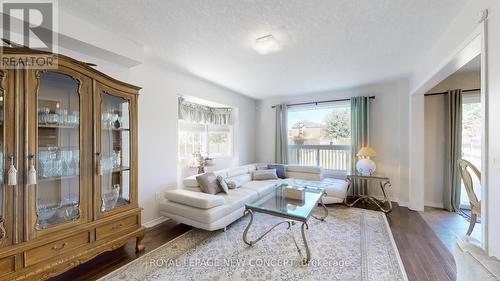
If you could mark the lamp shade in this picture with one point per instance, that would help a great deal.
(366, 152)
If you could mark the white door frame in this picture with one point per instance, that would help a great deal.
(474, 45)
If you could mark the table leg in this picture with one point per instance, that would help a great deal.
(324, 208)
(386, 198)
(245, 233)
(308, 253)
(349, 187)
(349, 183)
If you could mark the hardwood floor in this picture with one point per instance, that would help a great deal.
(109, 261)
(424, 256)
(448, 226)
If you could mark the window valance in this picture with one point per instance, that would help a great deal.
(198, 113)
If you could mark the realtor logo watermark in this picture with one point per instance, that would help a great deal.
(31, 24)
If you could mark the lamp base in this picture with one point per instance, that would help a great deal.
(366, 167)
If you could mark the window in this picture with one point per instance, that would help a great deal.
(219, 140)
(471, 140)
(211, 140)
(320, 135)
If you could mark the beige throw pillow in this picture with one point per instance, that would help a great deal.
(208, 183)
(269, 174)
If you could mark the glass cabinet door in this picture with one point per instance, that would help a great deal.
(114, 151)
(4, 163)
(58, 150)
(8, 215)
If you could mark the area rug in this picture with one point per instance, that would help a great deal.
(351, 244)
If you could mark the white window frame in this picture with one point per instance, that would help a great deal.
(205, 142)
(347, 148)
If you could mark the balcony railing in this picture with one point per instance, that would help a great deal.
(335, 157)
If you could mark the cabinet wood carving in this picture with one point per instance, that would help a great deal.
(71, 133)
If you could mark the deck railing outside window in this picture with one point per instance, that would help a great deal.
(335, 157)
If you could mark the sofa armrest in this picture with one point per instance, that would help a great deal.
(194, 199)
(336, 188)
(191, 181)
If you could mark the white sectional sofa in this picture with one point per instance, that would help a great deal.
(190, 206)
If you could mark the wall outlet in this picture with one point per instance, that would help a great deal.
(158, 196)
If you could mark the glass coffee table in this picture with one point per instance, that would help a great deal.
(292, 210)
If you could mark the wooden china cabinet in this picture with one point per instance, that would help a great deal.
(77, 128)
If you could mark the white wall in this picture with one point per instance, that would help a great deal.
(458, 31)
(435, 149)
(388, 126)
(435, 132)
(161, 85)
(404, 148)
(158, 126)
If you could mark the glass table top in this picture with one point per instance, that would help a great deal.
(277, 204)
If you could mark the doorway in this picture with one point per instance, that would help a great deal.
(439, 159)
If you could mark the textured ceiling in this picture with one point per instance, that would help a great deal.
(326, 44)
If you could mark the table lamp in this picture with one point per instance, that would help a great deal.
(365, 165)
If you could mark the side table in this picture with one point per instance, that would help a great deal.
(384, 205)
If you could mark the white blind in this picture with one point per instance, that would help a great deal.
(219, 128)
(191, 127)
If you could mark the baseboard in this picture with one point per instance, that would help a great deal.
(433, 204)
(155, 222)
(404, 204)
(393, 199)
(426, 203)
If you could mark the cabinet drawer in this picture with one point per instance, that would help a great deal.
(115, 227)
(50, 250)
(7, 265)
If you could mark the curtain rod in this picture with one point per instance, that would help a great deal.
(444, 93)
(318, 102)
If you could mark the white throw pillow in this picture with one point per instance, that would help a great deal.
(238, 181)
(269, 174)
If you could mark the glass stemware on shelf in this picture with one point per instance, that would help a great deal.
(57, 162)
(66, 210)
(112, 119)
(58, 117)
(112, 162)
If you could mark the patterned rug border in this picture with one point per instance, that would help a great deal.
(388, 228)
(393, 242)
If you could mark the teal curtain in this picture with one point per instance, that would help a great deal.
(453, 184)
(360, 126)
(281, 136)
(360, 135)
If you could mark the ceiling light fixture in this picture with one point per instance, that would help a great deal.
(266, 44)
